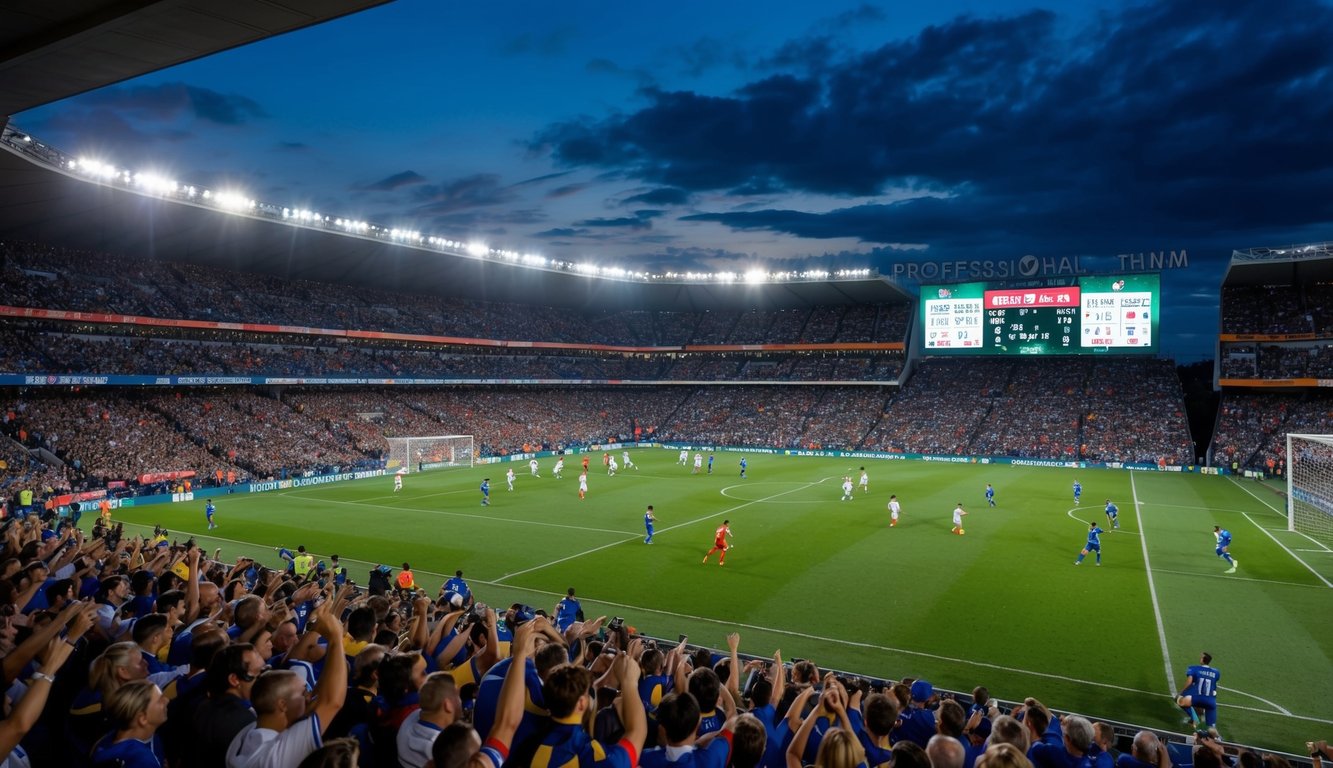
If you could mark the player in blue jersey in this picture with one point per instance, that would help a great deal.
(1112, 514)
(209, 510)
(567, 611)
(743, 466)
(1094, 544)
(1200, 692)
(456, 591)
(648, 520)
(990, 494)
(1078, 491)
(710, 463)
(1223, 537)
(486, 492)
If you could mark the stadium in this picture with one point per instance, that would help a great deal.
(245, 406)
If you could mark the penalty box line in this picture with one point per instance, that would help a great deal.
(664, 530)
(793, 633)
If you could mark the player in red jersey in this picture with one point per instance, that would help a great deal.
(720, 542)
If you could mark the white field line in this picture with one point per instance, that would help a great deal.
(806, 636)
(1318, 543)
(1269, 534)
(636, 536)
(1152, 587)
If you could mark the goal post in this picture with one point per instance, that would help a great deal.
(1310, 486)
(419, 454)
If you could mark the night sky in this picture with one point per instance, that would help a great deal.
(733, 135)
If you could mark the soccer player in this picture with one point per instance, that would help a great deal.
(606, 459)
(397, 483)
(567, 610)
(1078, 491)
(1200, 692)
(456, 591)
(585, 463)
(648, 519)
(990, 494)
(958, 515)
(684, 457)
(532, 467)
(1094, 544)
(720, 542)
(698, 463)
(486, 492)
(209, 509)
(559, 467)
(894, 509)
(1112, 514)
(612, 466)
(865, 481)
(509, 478)
(1223, 537)
(846, 488)
(583, 484)
(743, 466)
(624, 460)
(710, 463)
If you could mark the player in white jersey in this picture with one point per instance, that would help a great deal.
(684, 456)
(698, 462)
(624, 460)
(397, 483)
(894, 509)
(846, 488)
(509, 478)
(865, 481)
(559, 467)
(612, 466)
(532, 466)
(958, 514)
(583, 484)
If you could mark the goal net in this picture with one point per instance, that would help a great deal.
(419, 454)
(1310, 486)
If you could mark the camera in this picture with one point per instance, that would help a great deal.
(616, 624)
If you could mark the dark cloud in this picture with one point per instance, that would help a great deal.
(392, 182)
(601, 66)
(169, 102)
(1175, 120)
(560, 232)
(705, 55)
(292, 146)
(659, 196)
(566, 190)
(853, 18)
(476, 191)
(541, 179)
(625, 222)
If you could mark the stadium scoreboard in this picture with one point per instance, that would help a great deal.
(1084, 315)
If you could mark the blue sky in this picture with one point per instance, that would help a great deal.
(740, 134)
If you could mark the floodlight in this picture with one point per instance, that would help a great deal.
(477, 248)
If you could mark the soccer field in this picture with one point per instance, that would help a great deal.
(1001, 606)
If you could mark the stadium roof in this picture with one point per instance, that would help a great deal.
(52, 49)
(1287, 265)
(40, 203)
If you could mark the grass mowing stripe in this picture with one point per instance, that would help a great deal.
(636, 536)
(489, 518)
(1297, 557)
(1152, 587)
(1239, 578)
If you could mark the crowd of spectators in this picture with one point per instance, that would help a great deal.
(1278, 309)
(1103, 410)
(122, 650)
(1252, 429)
(51, 278)
(247, 354)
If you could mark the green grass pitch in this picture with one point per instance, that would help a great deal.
(1002, 605)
